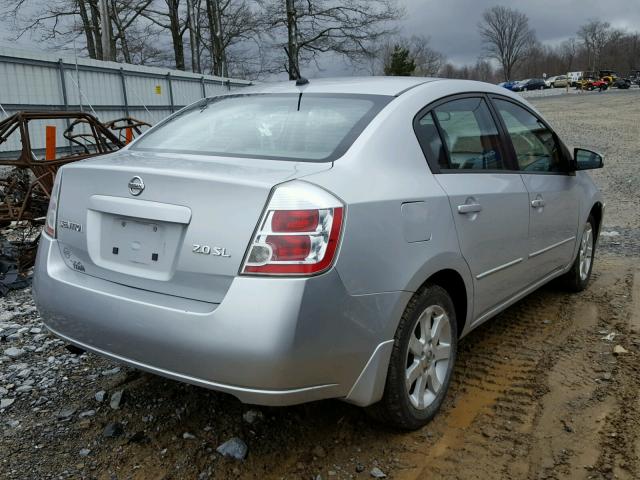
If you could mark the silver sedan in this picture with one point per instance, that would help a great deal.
(334, 239)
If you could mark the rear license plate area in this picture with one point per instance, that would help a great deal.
(134, 241)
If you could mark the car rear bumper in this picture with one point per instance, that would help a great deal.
(272, 341)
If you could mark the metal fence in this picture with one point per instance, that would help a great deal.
(38, 81)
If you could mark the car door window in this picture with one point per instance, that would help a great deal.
(535, 147)
(470, 135)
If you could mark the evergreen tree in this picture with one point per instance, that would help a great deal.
(400, 64)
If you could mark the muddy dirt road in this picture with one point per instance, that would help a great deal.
(548, 389)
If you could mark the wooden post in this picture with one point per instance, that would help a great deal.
(50, 142)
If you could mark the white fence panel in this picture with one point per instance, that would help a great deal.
(109, 90)
(29, 84)
(37, 81)
(149, 91)
(186, 92)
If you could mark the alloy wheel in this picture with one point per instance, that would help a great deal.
(586, 251)
(428, 356)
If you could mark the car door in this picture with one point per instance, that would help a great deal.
(488, 200)
(553, 191)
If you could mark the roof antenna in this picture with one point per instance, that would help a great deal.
(300, 80)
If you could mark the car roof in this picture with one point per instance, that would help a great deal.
(430, 89)
(391, 86)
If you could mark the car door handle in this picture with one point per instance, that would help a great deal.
(469, 208)
(537, 203)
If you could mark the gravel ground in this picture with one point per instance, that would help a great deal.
(560, 400)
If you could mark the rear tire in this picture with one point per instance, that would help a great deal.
(577, 279)
(74, 350)
(422, 360)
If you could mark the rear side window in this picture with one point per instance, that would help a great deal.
(430, 140)
(535, 146)
(307, 127)
(469, 135)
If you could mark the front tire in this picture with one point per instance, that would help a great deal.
(577, 279)
(422, 360)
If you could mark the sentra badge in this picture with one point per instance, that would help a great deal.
(74, 227)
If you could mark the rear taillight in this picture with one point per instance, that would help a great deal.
(298, 233)
(52, 212)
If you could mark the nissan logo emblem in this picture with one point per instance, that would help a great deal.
(136, 186)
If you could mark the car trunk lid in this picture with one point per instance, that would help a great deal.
(173, 224)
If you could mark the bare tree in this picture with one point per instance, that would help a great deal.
(56, 23)
(428, 61)
(171, 15)
(89, 32)
(633, 51)
(63, 22)
(483, 71)
(146, 45)
(350, 28)
(506, 36)
(568, 53)
(233, 27)
(193, 25)
(123, 14)
(595, 35)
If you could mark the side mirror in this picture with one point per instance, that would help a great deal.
(587, 159)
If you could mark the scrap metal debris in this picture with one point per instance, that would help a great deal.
(13, 274)
(26, 179)
(127, 128)
(25, 191)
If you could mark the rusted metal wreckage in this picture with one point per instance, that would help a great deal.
(26, 181)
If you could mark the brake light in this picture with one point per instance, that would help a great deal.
(295, 220)
(52, 211)
(289, 247)
(298, 234)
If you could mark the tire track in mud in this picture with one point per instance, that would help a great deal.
(497, 384)
(619, 456)
(538, 394)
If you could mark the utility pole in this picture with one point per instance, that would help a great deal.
(105, 26)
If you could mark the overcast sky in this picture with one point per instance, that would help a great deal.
(452, 24)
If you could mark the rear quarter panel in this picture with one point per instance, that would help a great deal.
(385, 168)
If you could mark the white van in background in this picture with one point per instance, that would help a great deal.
(574, 77)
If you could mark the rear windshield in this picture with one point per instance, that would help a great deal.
(308, 127)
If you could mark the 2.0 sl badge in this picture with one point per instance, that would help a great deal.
(207, 250)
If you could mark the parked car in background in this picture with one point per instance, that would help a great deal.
(236, 247)
(622, 83)
(548, 82)
(574, 77)
(517, 86)
(561, 81)
(600, 85)
(529, 84)
(608, 76)
(508, 85)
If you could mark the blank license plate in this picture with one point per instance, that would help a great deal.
(137, 242)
